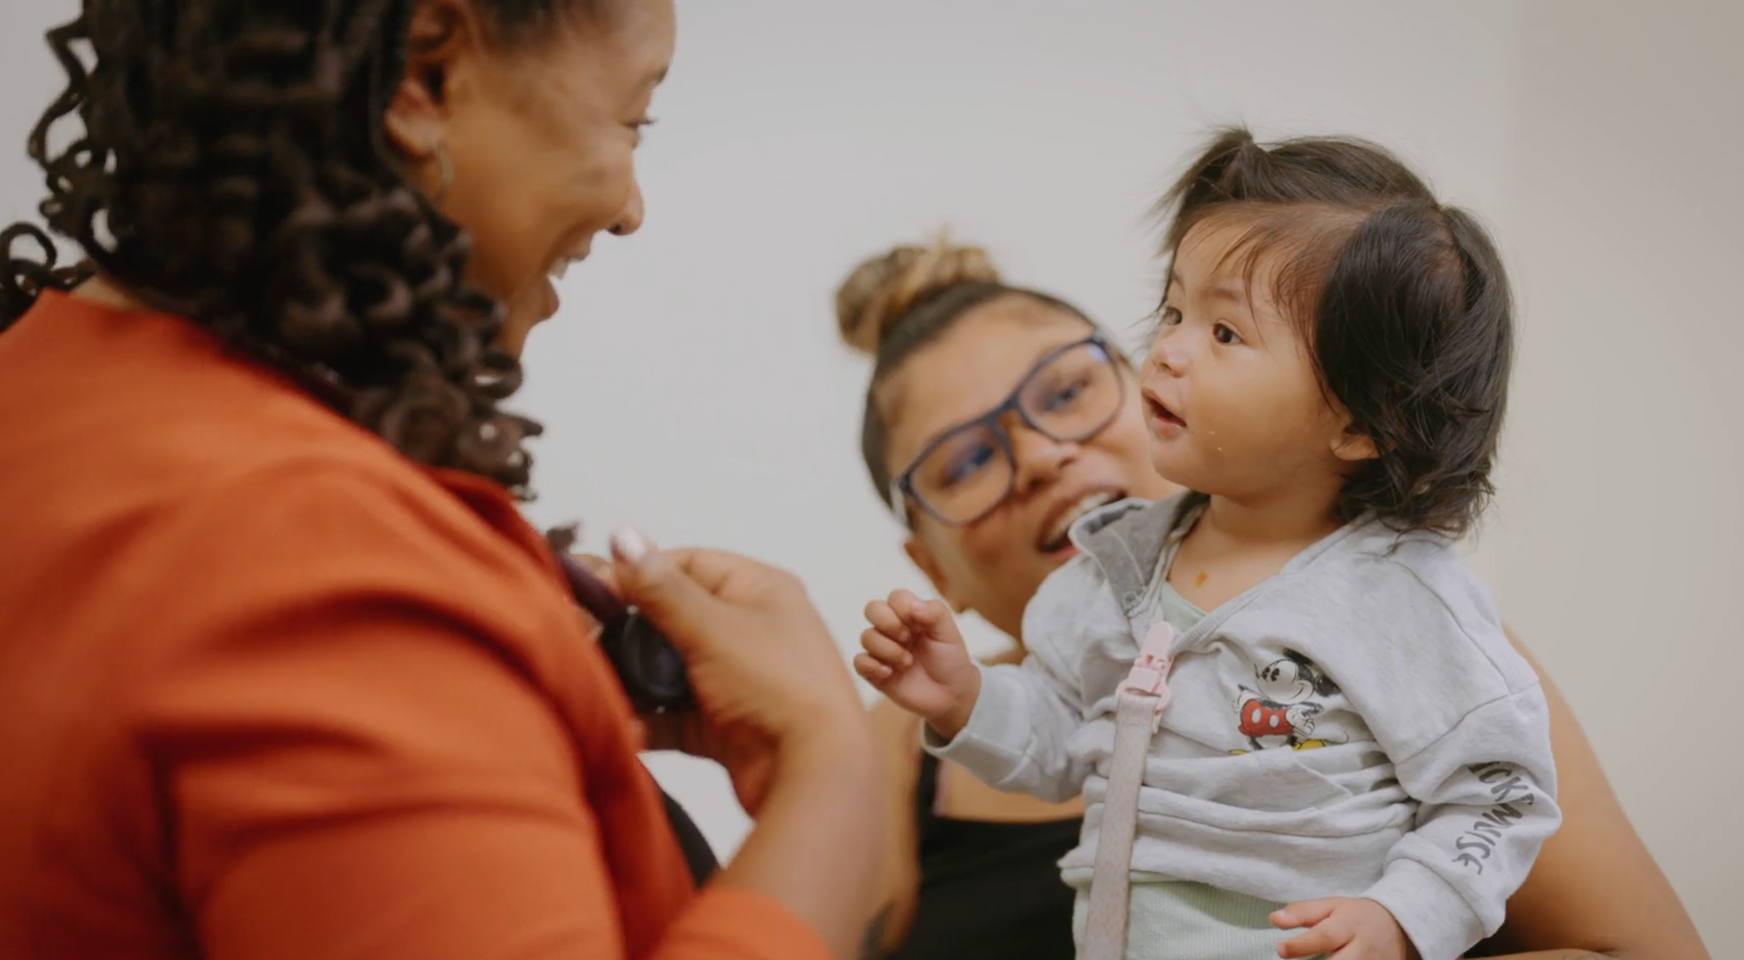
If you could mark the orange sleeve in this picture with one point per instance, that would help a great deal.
(358, 759)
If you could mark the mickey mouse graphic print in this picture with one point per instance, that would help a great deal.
(1357, 725)
(1281, 707)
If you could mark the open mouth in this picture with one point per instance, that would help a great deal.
(1054, 537)
(1161, 414)
(562, 266)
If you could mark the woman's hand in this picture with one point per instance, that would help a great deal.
(769, 681)
(776, 707)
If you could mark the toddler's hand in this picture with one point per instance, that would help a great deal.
(1345, 928)
(916, 656)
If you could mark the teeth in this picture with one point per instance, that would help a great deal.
(1057, 533)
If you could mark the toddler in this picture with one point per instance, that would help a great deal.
(1287, 703)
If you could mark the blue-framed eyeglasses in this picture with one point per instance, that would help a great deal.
(966, 472)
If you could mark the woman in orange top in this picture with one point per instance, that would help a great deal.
(286, 674)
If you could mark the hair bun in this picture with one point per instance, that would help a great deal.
(883, 289)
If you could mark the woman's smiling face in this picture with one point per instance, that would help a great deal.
(995, 564)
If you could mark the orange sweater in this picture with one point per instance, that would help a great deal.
(273, 691)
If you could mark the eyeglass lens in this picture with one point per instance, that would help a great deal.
(968, 471)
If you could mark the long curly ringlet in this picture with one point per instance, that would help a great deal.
(232, 169)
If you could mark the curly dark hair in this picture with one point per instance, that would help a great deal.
(232, 169)
(1403, 303)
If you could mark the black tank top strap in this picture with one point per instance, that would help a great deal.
(698, 855)
(926, 788)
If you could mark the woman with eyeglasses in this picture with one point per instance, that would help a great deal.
(997, 415)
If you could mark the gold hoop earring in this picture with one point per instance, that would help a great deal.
(444, 172)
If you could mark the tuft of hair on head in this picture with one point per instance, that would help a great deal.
(1402, 300)
(883, 289)
(892, 306)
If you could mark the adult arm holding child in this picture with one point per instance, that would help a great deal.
(797, 761)
(1595, 891)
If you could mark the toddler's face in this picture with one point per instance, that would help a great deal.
(1231, 397)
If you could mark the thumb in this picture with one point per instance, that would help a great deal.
(935, 618)
(651, 581)
(1304, 913)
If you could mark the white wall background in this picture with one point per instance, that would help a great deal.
(1618, 545)
(693, 384)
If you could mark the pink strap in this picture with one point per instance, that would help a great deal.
(1138, 712)
(1150, 672)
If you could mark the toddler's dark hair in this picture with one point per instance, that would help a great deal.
(1402, 301)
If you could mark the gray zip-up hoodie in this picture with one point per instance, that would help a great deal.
(1357, 725)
